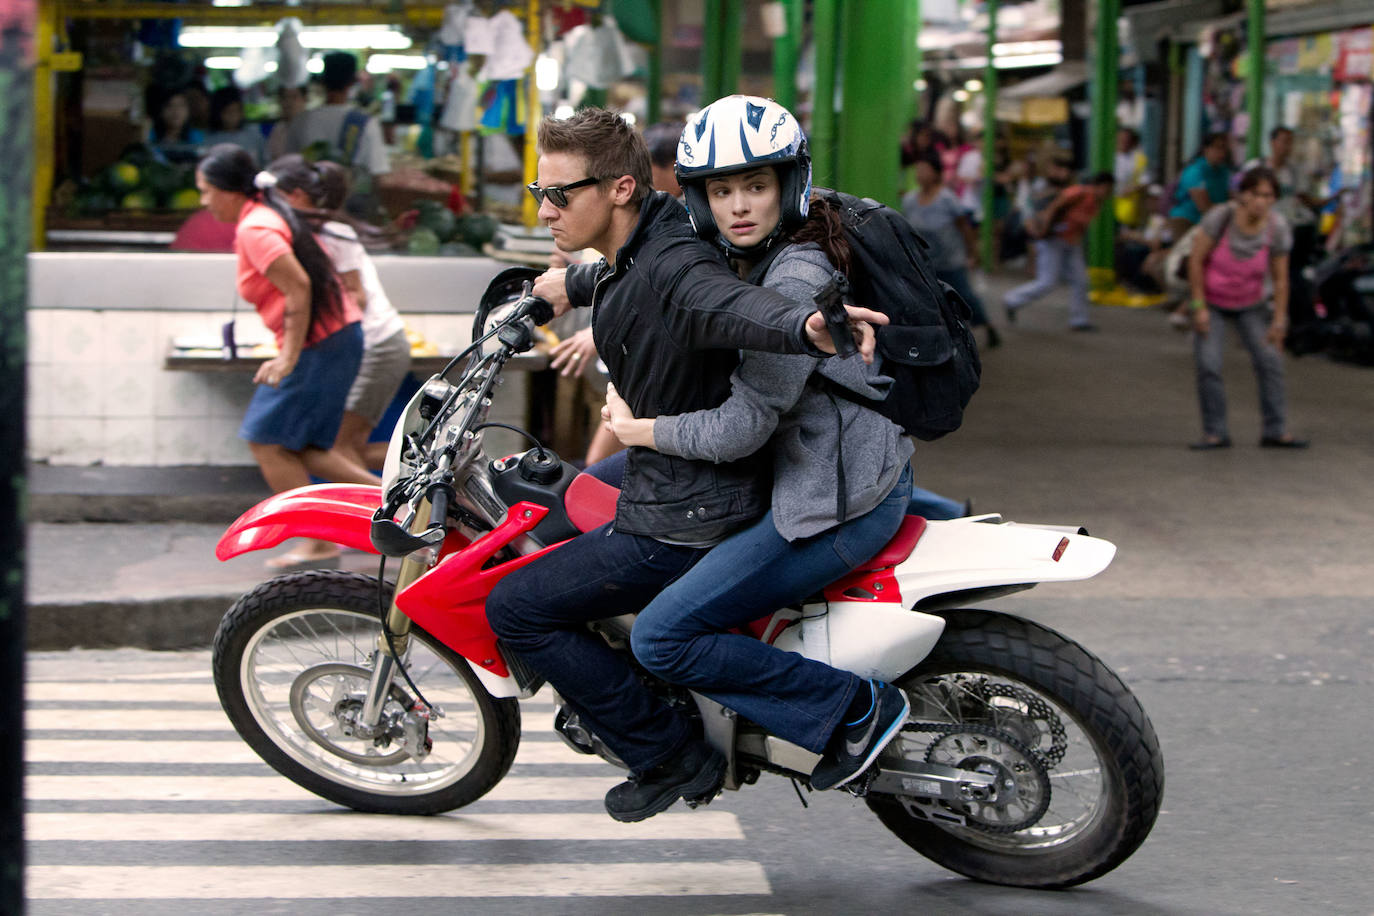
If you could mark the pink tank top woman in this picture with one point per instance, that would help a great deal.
(1233, 283)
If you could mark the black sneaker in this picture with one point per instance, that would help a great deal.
(855, 746)
(695, 774)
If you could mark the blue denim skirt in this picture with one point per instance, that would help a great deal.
(306, 409)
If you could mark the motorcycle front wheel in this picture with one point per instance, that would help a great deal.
(292, 660)
(1078, 774)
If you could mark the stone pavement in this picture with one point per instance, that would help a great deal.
(1068, 428)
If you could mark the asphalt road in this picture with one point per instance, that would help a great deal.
(1238, 609)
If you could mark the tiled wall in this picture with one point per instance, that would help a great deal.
(98, 389)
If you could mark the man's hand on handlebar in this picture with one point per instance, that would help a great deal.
(551, 285)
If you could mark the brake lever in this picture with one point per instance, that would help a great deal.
(829, 300)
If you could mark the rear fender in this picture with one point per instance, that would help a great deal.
(340, 513)
(961, 554)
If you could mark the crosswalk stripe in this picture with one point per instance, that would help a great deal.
(276, 788)
(195, 752)
(69, 719)
(129, 692)
(186, 828)
(543, 879)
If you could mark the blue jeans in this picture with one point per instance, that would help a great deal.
(682, 636)
(933, 506)
(540, 612)
(959, 280)
(1251, 325)
(1056, 261)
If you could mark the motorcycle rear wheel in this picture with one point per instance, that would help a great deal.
(291, 661)
(1021, 699)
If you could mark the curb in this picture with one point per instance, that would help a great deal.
(160, 623)
(137, 508)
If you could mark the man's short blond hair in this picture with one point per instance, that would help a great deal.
(610, 146)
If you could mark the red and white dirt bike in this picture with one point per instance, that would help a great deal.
(1026, 761)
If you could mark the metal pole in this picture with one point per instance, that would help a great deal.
(785, 50)
(17, 152)
(1254, 77)
(876, 99)
(1102, 136)
(712, 46)
(44, 123)
(655, 75)
(529, 210)
(824, 29)
(985, 226)
(731, 48)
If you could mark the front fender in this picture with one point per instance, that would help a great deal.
(336, 512)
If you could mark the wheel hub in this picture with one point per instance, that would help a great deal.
(326, 701)
(1020, 792)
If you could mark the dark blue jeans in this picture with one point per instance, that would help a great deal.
(681, 636)
(540, 613)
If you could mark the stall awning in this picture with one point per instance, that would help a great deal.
(1068, 75)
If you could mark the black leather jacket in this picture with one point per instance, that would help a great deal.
(668, 319)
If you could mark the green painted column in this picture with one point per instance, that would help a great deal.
(912, 40)
(16, 199)
(1254, 77)
(985, 240)
(786, 50)
(711, 50)
(876, 98)
(654, 87)
(1102, 134)
(825, 38)
(731, 50)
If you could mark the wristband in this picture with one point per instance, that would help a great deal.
(1197, 305)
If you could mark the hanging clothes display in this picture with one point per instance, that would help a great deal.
(502, 38)
(597, 55)
(504, 109)
(460, 108)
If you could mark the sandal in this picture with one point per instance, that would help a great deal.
(1208, 444)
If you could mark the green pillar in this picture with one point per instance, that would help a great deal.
(876, 98)
(722, 25)
(732, 31)
(654, 87)
(1102, 135)
(912, 40)
(985, 241)
(824, 36)
(1254, 77)
(786, 49)
(16, 227)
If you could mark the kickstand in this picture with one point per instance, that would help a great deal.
(796, 786)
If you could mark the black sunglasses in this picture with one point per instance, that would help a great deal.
(558, 194)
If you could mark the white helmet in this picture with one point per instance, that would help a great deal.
(742, 132)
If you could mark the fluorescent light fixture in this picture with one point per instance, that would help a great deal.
(385, 63)
(974, 85)
(223, 63)
(1003, 49)
(269, 66)
(563, 112)
(546, 73)
(315, 65)
(960, 95)
(230, 2)
(346, 37)
(1048, 59)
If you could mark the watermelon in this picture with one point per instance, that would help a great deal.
(440, 221)
(423, 242)
(477, 229)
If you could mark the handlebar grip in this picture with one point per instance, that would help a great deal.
(537, 309)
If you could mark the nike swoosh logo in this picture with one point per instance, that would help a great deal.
(855, 748)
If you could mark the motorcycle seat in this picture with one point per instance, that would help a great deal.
(589, 502)
(900, 547)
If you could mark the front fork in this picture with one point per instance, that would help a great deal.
(387, 658)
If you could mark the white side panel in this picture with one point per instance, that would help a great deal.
(962, 554)
(497, 686)
(871, 639)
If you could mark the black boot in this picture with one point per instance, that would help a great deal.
(695, 773)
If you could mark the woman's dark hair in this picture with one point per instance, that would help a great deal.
(231, 168)
(824, 227)
(1212, 139)
(1257, 175)
(221, 99)
(327, 185)
(156, 99)
(931, 158)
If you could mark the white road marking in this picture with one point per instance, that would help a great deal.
(199, 752)
(456, 827)
(541, 879)
(73, 720)
(277, 788)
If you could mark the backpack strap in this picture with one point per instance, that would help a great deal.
(351, 134)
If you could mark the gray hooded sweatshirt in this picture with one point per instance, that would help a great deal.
(774, 397)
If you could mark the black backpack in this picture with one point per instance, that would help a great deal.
(928, 349)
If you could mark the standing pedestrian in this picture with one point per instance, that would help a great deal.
(1238, 273)
(1060, 258)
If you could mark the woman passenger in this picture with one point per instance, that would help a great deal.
(294, 416)
(841, 476)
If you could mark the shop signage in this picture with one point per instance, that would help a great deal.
(1354, 55)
